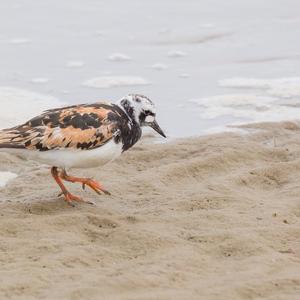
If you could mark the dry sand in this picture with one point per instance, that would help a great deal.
(215, 217)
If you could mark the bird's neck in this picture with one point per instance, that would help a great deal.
(130, 111)
(131, 131)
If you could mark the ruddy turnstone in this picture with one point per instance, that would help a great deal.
(81, 136)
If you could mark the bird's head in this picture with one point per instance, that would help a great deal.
(142, 110)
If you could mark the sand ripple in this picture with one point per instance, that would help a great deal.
(205, 218)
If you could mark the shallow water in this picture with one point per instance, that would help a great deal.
(185, 54)
(5, 177)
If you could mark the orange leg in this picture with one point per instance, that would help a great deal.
(68, 196)
(94, 185)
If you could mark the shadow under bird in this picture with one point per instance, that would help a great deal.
(81, 136)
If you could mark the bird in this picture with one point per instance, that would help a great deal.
(81, 136)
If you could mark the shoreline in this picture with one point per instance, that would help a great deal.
(211, 217)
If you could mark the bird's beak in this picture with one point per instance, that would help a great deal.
(156, 127)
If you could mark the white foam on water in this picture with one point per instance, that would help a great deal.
(119, 57)
(218, 129)
(19, 105)
(40, 80)
(279, 87)
(165, 30)
(184, 75)
(176, 53)
(66, 92)
(100, 33)
(115, 81)
(207, 25)
(75, 64)
(250, 107)
(159, 67)
(190, 39)
(19, 41)
(286, 90)
(5, 177)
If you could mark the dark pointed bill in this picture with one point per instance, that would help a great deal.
(156, 127)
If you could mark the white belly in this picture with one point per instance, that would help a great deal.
(69, 158)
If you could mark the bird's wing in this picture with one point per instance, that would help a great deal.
(75, 127)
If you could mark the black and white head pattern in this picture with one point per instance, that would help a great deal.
(139, 108)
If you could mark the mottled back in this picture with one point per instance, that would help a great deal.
(86, 126)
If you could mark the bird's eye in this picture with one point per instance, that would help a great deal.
(148, 113)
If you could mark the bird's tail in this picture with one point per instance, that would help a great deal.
(11, 138)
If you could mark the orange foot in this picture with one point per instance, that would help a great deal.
(94, 185)
(70, 198)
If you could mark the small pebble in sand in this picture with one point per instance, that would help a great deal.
(288, 251)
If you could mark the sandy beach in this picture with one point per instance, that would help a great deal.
(211, 214)
(214, 217)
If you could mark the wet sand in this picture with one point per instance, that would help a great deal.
(215, 217)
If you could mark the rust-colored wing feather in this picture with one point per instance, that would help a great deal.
(76, 127)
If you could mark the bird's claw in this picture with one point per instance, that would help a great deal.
(70, 198)
(94, 185)
(106, 192)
